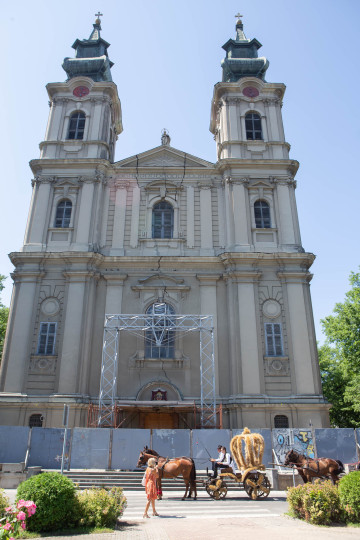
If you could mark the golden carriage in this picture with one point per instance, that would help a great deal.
(247, 450)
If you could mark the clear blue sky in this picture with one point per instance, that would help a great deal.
(167, 57)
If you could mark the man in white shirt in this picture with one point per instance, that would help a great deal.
(217, 463)
(228, 460)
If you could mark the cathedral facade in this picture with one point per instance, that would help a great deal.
(157, 234)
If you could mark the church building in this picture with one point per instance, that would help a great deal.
(173, 291)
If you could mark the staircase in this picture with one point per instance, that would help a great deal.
(128, 480)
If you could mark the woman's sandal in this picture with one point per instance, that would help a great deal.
(146, 516)
(155, 514)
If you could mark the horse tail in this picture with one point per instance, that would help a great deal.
(341, 468)
(193, 472)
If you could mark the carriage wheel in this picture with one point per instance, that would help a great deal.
(257, 485)
(216, 490)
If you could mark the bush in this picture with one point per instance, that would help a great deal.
(318, 503)
(4, 503)
(349, 492)
(55, 499)
(100, 507)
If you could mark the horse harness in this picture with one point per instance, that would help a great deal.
(313, 460)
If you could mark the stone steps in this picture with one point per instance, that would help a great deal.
(128, 480)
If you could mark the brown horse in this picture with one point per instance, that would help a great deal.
(309, 468)
(171, 468)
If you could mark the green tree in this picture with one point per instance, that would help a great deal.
(339, 358)
(4, 314)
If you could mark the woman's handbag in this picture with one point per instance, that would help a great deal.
(143, 481)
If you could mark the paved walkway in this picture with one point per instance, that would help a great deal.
(205, 519)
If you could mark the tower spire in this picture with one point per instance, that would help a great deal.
(91, 58)
(242, 56)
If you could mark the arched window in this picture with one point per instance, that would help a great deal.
(63, 214)
(76, 125)
(36, 420)
(162, 220)
(281, 421)
(160, 336)
(253, 127)
(262, 215)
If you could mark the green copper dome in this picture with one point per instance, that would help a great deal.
(91, 59)
(242, 57)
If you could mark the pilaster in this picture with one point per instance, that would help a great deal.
(206, 225)
(208, 306)
(249, 342)
(117, 246)
(74, 327)
(20, 330)
(295, 283)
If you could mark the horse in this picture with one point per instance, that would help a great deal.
(171, 468)
(309, 468)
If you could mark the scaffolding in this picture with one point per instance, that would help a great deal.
(163, 327)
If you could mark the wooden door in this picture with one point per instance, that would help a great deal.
(154, 420)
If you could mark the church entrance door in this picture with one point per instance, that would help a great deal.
(155, 420)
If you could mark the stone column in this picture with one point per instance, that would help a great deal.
(114, 292)
(249, 342)
(35, 235)
(240, 213)
(221, 217)
(105, 215)
(73, 331)
(117, 245)
(85, 213)
(190, 217)
(20, 331)
(53, 131)
(286, 225)
(299, 314)
(235, 374)
(273, 121)
(208, 304)
(229, 216)
(87, 333)
(206, 235)
(135, 212)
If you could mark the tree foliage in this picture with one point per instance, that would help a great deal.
(339, 358)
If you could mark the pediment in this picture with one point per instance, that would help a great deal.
(161, 281)
(261, 184)
(164, 156)
(161, 277)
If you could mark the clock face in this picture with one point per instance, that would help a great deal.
(251, 92)
(81, 91)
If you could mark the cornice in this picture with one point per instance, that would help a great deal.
(45, 165)
(295, 277)
(208, 279)
(289, 165)
(76, 142)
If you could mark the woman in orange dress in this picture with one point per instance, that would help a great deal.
(151, 475)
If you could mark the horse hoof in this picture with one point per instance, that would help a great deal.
(183, 499)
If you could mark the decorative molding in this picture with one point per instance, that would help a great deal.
(138, 360)
(42, 365)
(277, 366)
(271, 309)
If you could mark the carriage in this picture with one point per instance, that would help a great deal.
(247, 450)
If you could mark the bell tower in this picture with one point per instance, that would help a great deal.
(252, 152)
(85, 110)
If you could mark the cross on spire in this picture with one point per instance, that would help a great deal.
(98, 15)
(238, 15)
